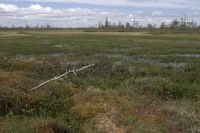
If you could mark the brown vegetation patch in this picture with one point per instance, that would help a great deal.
(151, 116)
(102, 108)
(2, 119)
(100, 103)
(46, 128)
(16, 74)
(176, 128)
(7, 77)
(16, 79)
(105, 124)
(25, 63)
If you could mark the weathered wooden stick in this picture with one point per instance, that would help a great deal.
(62, 75)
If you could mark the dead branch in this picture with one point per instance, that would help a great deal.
(62, 75)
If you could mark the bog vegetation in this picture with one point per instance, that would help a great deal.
(141, 82)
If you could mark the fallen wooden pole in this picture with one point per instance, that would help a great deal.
(62, 75)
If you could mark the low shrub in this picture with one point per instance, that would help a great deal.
(163, 88)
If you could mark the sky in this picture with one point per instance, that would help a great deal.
(84, 13)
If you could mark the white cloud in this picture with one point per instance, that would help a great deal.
(36, 9)
(39, 8)
(156, 13)
(36, 14)
(76, 17)
(7, 8)
(186, 4)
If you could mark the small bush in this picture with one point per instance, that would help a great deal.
(178, 91)
(15, 102)
(53, 103)
(163, 88)
(154, 86)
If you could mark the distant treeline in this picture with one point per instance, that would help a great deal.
(176, 25)
(46, 27)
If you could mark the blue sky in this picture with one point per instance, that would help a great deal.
(78, 13)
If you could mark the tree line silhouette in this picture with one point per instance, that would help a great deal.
(176, 25)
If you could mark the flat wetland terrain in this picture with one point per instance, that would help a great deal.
(141, 82)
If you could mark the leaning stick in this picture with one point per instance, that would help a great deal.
(62, 75)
